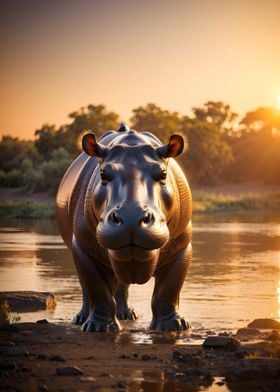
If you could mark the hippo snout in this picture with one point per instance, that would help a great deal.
(133, 225)
(141, 217)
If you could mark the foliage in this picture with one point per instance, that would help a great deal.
(156, 120)
(26, 209)
(95, 118)
(210, 202)
(220, 147)
(6, 316)
(208, 153)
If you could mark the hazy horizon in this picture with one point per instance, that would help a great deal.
(60, 55)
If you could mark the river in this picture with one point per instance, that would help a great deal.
(234, 277)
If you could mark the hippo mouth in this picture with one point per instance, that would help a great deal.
(132, 252)
(133, 264)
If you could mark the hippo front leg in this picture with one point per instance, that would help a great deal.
(83, 314)
(168, 283)
(99, 288)
(124, 311)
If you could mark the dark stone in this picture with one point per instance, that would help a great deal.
(7, 344)
(275, 336)
(13, 351)
(44, 321)
(8, 366)
(254, 369)
(247, 332)
(210, 333)
(264, 324)
(223, 334)
(221, 342)
(190, 359)
(43, 388)
(41, 356)
(145, 357)
(57, 358)
(194, 374)
(9, 327)
(69, 371)
(28, 301)
(121, 385)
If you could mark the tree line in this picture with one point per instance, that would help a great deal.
(222, 146)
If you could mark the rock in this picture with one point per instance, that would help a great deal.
(221, 342)
(7, 344)
(195, 374)
(8, 366)
(13, 351)
(87, 378)
(69, 371)
(264, 324)
(275, 336)
(43, 321)
(247, 332)
(254, 368)
(190, 359)
(9, 327)
(223, 333)
(41, 356)
(28, 301)
(56, 358)
(145, 357)
(210, 333)
(43, 388)
(121, 385)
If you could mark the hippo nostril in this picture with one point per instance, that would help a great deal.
(147, 218)
(116, 218)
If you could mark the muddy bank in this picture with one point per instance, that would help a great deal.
(59, 357)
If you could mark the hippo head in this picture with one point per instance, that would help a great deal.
(132, 200)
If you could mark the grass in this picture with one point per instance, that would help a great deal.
(26, 209)
(203, 202)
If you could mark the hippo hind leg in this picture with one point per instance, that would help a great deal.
(124, 311)
(83, 314)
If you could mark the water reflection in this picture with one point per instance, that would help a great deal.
(232, 255)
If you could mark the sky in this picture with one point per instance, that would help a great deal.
(60, 55)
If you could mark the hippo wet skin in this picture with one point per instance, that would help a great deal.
(124, 210)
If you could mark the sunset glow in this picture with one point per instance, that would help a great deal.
(179, 54)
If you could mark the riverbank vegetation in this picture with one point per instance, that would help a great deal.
(203, 202)
(222, 148)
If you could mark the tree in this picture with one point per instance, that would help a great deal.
(13, 151)
(94, 117)
(156, 120)
(47, 140)
(208, 153)
(256, 147)
(217, 113)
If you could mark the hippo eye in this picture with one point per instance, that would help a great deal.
(160, 175)
(163, 175)
(106, 176)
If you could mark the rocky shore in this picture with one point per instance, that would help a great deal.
(59, 357)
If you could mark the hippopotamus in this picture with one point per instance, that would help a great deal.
(124, 210)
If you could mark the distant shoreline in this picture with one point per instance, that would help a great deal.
(227, 198)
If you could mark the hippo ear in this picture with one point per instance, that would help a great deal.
(174, 147)
(92, 147)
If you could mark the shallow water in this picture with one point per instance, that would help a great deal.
(234, 277)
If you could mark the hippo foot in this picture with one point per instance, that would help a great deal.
(176, 323)
(95, 325)
(80, 318)
(126, 313)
